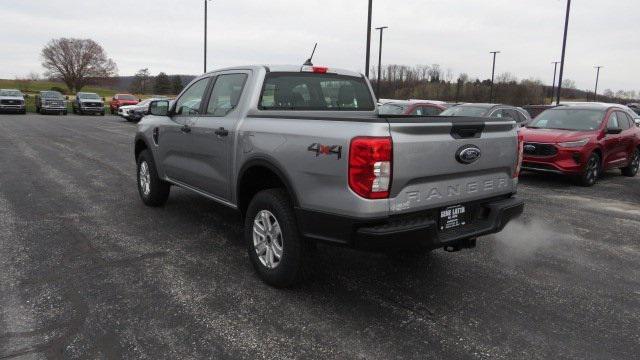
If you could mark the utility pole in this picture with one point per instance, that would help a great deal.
(564, 48)
(553, 86)
(205, 35)
(595, 91)
(493, 72)
(367, 61)
(381, 29)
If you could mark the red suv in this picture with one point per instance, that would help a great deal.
(582, 140)
(122, 100)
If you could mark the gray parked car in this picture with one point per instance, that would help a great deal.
(88, 103)
(12, 100)
(519, 115)
(302, 155)
(51, 102)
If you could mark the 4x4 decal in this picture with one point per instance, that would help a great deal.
(320, 149)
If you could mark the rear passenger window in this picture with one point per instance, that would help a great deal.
(226, 94)
(623, 120)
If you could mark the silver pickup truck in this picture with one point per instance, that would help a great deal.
(302, 154)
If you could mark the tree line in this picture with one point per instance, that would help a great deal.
(161, 84)
(435, 83)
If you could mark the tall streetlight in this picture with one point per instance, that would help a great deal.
(205, 34)
(366, 66)
(595, 91)
(553, 85)
(381, 29)
(564, 48)
(493, 72)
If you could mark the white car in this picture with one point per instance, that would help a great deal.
(123, 111)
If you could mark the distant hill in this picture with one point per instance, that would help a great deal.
(103, 86)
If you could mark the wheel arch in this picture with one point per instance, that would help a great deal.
(270, 174)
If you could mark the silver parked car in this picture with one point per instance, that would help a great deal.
(12, 100)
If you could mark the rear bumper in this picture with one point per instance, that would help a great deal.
(408, 230)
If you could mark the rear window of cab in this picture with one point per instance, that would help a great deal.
(311, 91)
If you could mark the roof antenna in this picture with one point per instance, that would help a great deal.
(308, 62)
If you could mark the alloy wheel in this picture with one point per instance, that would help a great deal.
(267, 239)
(145, 178)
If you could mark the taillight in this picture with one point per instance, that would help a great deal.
(370, 165)
(520, 154)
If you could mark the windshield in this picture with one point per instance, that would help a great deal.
(568, 119)
(311, 91)
(51, 95)
(126, 97)
(462, 110)
(88, 96)
(10, 93)
(392, 109)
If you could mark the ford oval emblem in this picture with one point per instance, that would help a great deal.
(468, 154)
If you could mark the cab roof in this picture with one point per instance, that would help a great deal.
(290, 68)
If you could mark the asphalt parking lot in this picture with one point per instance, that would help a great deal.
(87, 271)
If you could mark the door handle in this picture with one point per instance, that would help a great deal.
(222, 132)
(185, 129)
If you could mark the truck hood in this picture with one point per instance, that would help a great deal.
(12, 98)
(553, 135)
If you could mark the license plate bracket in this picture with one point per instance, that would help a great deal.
(452, 217)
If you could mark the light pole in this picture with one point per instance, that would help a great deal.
(595, 91)
(553, 86)
(493, 72)
(381, 29)
(564, 48)
(366, 66)
(205, 35)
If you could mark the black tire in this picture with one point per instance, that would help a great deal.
(158, 192)
(591, 171)
(102, 113)
(632, 169)
(290, 268)
(64, 112)
(23, 112)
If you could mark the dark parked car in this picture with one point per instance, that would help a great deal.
(535, 110)
(51, 102)
(88, 103)
(519, 115)
(411, 107)
(582, 140)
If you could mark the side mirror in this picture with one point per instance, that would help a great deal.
(614, 131)
(159, 108)
(139, 100)
(66, 97)
(103, 99)
(26, 96)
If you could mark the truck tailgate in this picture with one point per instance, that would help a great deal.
(430, 171)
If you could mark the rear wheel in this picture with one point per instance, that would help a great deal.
(632, 169)
(153, 190)
(276, 249)
(591, 171)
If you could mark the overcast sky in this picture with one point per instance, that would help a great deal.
(166, 35)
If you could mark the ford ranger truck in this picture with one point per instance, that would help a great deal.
(12, 100)
(303, 155)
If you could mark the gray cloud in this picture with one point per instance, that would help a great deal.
(166, 35)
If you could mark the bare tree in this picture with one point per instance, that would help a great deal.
(75, 61)
(34, 76)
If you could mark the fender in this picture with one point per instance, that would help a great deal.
(271, 164)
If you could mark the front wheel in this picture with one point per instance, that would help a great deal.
(276, 249)
(591, 171)
(632, 169)
(153, 190)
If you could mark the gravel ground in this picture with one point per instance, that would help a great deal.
(87, 271)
